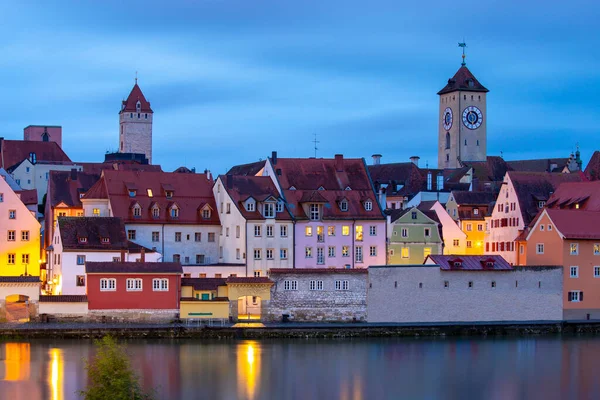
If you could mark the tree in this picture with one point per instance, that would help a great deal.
(110, 376)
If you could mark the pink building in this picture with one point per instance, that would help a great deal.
(43, 133)
(338, 222)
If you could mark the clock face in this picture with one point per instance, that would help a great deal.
(447, 118)
(472, 117)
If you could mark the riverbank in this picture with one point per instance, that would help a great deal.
(295, 330)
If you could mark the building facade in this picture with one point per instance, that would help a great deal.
(413, 236)
(469, 210)
(37, 175)
(43, 133)
(135, 124)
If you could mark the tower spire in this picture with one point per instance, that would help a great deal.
(136, 76)
(463, 44)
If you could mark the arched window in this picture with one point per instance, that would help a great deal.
(447, 140)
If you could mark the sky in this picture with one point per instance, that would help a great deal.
(230, 81)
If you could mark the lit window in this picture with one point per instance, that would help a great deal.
(359, 233)
(308, 252)
(96, 212)
(574, 249)
(345, 251)
(597, 249)
(405, 252)
(345, 230)
(308, 231)
(426, 252)
(331, 231)
(149, 191)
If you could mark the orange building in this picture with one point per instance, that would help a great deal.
(570, 238)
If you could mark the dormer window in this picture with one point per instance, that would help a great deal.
(137, 211)
(105, 240)
(174, 212)
(82, 239)
(32, 158)
(138, 107)
(489, 264)
(321, 188)
(206, 213)
(314, 212)
(269, 210)
(541, 204)
(250, 206)
(155, 212)
(169, 194)
(344, 205)
(368, 205)
(280, 207)
(132, 193)
(292, 188)
(81, 195)
(348, 188)
(476, 211)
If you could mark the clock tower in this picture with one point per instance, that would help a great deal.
(463, 119)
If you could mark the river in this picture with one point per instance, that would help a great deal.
(353, 369)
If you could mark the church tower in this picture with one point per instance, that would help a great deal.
(462, 126)
(135, 124)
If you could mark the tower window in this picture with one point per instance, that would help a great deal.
(477, 142)
(465, 97)
(138, 115)
(479, 98)
(447, 157)
(447, 140)
(471, 97)
(138, 107)
(146, 116)
(130, 115)
(465, 142)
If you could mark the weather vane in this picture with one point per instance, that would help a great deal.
(136, 77)
(463, 44)
(315, 141)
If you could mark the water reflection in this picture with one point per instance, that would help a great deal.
(248, 369)
(56, 374)
(17, 359)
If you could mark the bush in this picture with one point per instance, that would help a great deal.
(110, 376)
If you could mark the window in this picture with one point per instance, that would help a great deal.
(493, 284)
(283, 230)
(470, 284)
(405, 253)
(596, 272)
(174, 212)
(134, 284)
(116, 259)
(176, 257)
(269, 231)
(221, 275)
(160, 284)
(96, 212)
(308, 252)
(476, 211)
(12, 236)
(331, 231)
(80, 280)
(359, 233)
(426, 252)
(283, 254)
(342, 285)
(108, 284)
(250, 206)
(11, 259)
(541, 204)
(12, 214)
(574, 249)
(413, 215)
(469, 227)
(542, 226)
(308, 231)
(198, 236)
(427, 232)
(290, 285)
(131, 234)
(257, 254)
(237, 254)
(155, 212)
(178, 236)
(256, 275)
(576, 296)
(80, 259)
(269, 210)
(1, 197)
(597, 249)
(257, 230)
(480, 227)
(456, 242)
(446, 284)
(269, 254)
(345, 251)
(404, 232)
(169, 194)
(574, 272)
(279, 207)
(540, 248)
(211, 236)
(373, 251)
(331, 251)
(469, 244)
(199, 258)
(344, 205)
(155, 236)
(315, 212)
(549, 227)
(368, 205)
(320, 255)
(315, 285)
(228, 208)
(345, 230)
(206, 213)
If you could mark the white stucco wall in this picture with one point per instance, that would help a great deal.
(276, 243)
(56, 308)
(232, 221)
(451, 231)
(38, 175)
(525, 294)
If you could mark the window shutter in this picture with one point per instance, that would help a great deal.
(580, 296)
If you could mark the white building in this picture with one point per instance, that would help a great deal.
(78, 240)
(257, 229)
(35, 175)
(455, 240)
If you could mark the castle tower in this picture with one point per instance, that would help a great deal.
(135, 124)
(462, 127)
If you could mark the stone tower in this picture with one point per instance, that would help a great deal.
(135, 124)
(463, 119)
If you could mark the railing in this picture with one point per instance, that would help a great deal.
(320, 238)
(199, 322)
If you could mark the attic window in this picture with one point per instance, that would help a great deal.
(206, 213)
(413, 215)
(250, 206)
(156, 212)
(344, 205)
(149, 191)
(280, 206)
(82, 239)
(169, 194)
(476, 211)
(174, 212)
(32, 158)
(132, 193)
(457, 264)
(105, 240)
(321, 188)
(541, 204)
(138, 106)
(137, 211)
(368, 205)
(81, 195)
(292, 188)
(348, 188)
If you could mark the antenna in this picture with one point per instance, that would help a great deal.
(315, 141)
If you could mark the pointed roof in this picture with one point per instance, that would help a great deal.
(135, 96)
(463, 80)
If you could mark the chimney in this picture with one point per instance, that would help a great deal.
(73, 174)
(122, 255)
(415, 160)
(229, 181)
(339, 162)
(376, 159)
(274, 157)
(208, 176)
(143, 255)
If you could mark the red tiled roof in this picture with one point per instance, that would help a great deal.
(492, 169)
(592, 169)
(136, 95)
(463, 80)
(261, 279)
(65, 298)
(331, 209)
(191, 192)
(203, 283)
(310, 271)
(585, 195)
(28, 197)
(250, 169)
(576, 224)
(66, 187)
(470, 263)
(539, 165)
(133, 268)
(257, 187)
(12, 152)
(19, 279)
(97, 168)
(532, 187)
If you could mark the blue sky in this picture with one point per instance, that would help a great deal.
(230, 81)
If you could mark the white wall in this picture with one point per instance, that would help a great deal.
(38, 175)
(231, 220)
(451, 231)
(70, 308)
(212, 270)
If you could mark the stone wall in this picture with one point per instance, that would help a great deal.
(328, 304)
(133, 316)
(420, 294)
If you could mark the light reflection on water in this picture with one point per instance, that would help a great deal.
(496, 369)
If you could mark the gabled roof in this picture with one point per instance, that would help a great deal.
(135, 95)
(190, 191)
(203, 283)
(532, 187)
(465, 198)
(569, 195)
(66, 187)
(592, 170)
(250, 169)
(463, 80)
(470, 263)
(28, 197)
(576, 224)
(133, 268)
(12, 152)
(241, 187)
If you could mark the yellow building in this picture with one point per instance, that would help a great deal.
(469, 210)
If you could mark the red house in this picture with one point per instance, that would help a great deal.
(133, 285)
